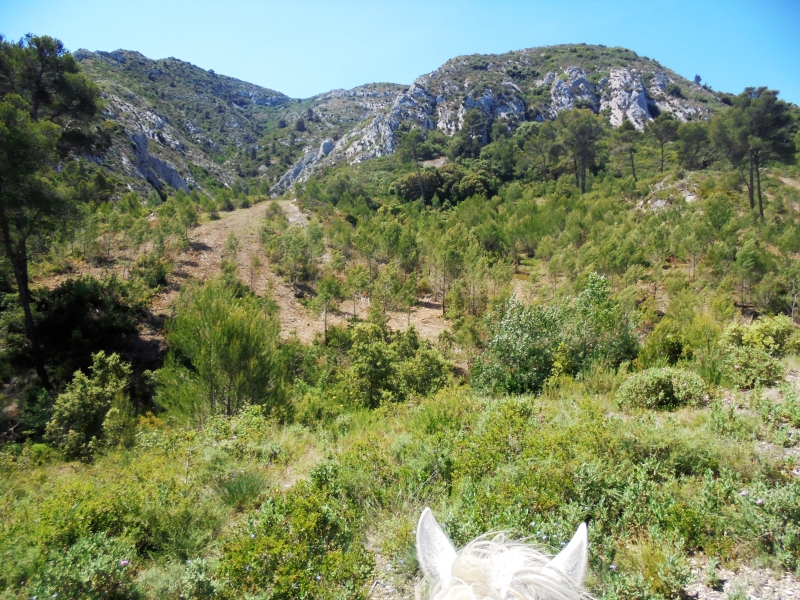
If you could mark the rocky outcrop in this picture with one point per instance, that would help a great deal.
(659, 97)
(303, 168)
(625, 97)
(417, 107)
(155, 170)
(567, 91)
(622, 93)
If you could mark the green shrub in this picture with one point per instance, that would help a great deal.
(305, 544)
(197, 582)
(83, 421)
(664, 345)
(772, 335)
(241, 490)
(95, 567)
(153, 269)
(530, 344)
(84, 315)
(386, 366)
(664, 388)
(424, 373)
(771, 515)
(748, 367)
(751, 353)
(223, 353)
(521, 351)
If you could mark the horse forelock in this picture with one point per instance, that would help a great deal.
(499, 569)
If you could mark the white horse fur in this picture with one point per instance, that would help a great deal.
(498, 569)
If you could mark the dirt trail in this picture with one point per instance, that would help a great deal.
(207, 244)
(790, 182)
(202, 260)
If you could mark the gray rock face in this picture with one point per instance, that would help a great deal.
(623, 93)
(659, 97)
(301, 170)
(441, 99)
(154, 169)
(326, 147)
(418, 107)
(567, 92)
(625, 96)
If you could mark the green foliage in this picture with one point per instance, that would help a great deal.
(663, 389)
(47, 109)
(223, 353)
(752, 352)
(292, 250)
(94, 567)
(302, 544)
(531, 208)
(83, 315)
(93, 411)
(390, 368)
(528, 345)
(241, 490)
(152, 269)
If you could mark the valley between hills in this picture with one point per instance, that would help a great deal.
(245, 339)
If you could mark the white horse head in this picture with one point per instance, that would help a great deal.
(497, 569)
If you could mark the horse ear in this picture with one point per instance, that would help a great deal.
(435, 551)
(573, 560)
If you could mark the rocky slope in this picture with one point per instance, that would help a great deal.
(178, 126)
(533, 84)
(175, 123)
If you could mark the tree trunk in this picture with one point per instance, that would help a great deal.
(19, 262)
(419, 178)
(577, 173)
(758, 183)
(325, 323)
(444, 288)
(662, 158)
(583, 176)
(633, 166)
(750, 187)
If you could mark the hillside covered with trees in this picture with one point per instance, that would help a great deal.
(570, 313)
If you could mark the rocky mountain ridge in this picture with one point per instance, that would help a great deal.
(534, 84)
(180, 126)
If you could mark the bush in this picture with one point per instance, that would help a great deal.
(240, 490)
(752, 352)
(665, 389)
(83, 421)
(748, 367)
(94, 567)
(302, 545)
(392, 367)
(521, 351)
(84, 315)
(153, 269)
(223, 353)
(673, 89)
(530, 344)
(773, 335)
(666, 344)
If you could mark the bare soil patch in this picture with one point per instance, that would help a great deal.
(202, 260)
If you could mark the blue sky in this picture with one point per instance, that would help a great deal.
(305, 47)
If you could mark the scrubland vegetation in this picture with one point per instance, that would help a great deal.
(622, 350)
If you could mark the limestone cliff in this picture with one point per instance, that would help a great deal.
(533, 84)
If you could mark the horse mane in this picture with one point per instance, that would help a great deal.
(497, 569)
